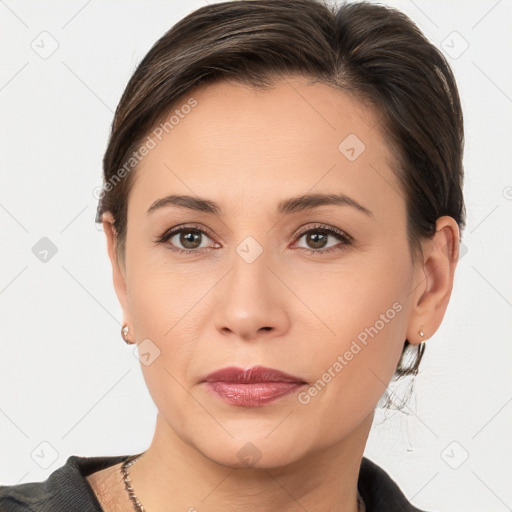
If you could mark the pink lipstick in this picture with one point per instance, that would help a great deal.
(253, 387)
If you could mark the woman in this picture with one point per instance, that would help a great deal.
(282, 203)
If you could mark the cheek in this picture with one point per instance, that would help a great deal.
(160, 294)
(364, 292)
(162, 313)
(167, 306)
(365, 311)
(164, 309)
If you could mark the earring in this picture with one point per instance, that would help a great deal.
(421, 347)
(124, 333)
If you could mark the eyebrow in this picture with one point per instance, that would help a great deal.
(287, 206)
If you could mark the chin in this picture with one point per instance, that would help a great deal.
(256, 451)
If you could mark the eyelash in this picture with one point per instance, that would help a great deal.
(329, 230)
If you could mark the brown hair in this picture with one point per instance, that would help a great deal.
(376, 53)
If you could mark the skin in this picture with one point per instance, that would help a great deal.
(248, 150)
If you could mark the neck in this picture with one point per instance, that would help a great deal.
(175, 472)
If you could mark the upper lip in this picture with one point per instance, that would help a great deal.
(251, 375)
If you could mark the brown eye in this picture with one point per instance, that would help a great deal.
(187, 239)
(316, 239)
(190, 239)
(321, 240)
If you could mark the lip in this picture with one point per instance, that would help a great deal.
(252, 387)
(251, 375)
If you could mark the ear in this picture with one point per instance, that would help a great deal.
(118, 269)
(434, 280)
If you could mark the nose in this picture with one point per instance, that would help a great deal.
(250, 302)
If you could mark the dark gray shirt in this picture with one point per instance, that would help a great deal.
(67, 490)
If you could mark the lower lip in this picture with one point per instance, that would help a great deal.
(252, 395)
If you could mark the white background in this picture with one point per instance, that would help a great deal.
(68, 380)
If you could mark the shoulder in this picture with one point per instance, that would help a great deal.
(380, 492)
(67, 488)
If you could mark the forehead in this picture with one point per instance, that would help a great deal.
(240, 142)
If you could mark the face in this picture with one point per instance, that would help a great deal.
(318, 289)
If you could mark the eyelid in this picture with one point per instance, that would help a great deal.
(180, 227)
(324, 227)
(344, 237)
(345, 241)
(168, 234)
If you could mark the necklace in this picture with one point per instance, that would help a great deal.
(137, 505)
(127, 483)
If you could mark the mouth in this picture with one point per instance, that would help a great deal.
(253, 387)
